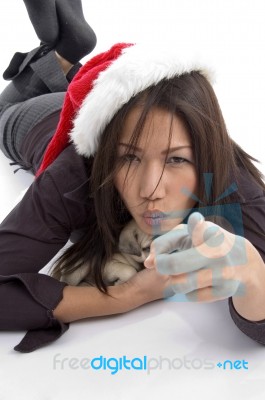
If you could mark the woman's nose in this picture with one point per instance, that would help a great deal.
(152, 182)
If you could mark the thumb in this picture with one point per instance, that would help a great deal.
(202, 231)
(195, 220)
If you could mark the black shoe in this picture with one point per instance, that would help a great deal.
(19, 61)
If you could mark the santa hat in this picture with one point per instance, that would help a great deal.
(108, 81)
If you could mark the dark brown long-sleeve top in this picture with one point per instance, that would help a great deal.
(56, 206)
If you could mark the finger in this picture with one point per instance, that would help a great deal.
(189, 286)
(213, 293)
(201, 230)
(194, 219)
(188, 282)
(179, 238)
(188, 260)
(205, 295)
(213, 241)
(217, 250)
(175, 240)
(204, 277)
(171, 241)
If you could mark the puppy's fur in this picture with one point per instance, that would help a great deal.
(134, 247)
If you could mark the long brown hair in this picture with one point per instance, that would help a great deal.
(192, 98)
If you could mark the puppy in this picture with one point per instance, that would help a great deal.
(134, 247)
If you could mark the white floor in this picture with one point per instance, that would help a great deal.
(188, 335)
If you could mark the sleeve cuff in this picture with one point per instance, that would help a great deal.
(253, 329)
(34, 339)
(46, 292)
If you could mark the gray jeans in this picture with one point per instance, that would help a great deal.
(34, 94)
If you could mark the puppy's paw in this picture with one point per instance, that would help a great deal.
(124, 276)
(116, 273)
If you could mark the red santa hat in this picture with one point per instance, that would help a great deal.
(108, 81)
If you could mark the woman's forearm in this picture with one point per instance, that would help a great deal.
(83, 302)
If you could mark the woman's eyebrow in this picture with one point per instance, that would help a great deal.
(166, 151)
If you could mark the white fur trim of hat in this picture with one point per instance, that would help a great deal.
(138, 67)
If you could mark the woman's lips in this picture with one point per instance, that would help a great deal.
(153, 217)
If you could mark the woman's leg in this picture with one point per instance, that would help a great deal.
(34, 94)
(38, 86)
(42, 74)
(76, 38)
(43, 16)
(62, 25)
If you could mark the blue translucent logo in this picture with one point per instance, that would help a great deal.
(117, 364)
(229, 217)
(233, 365)
(146, 364)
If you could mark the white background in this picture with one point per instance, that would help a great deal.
(232, 32)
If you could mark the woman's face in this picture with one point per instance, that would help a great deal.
(157, 212)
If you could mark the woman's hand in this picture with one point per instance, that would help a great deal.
(206, 263)
(148, 285)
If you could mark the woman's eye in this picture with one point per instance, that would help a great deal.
(129, 157)
(176, 160)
